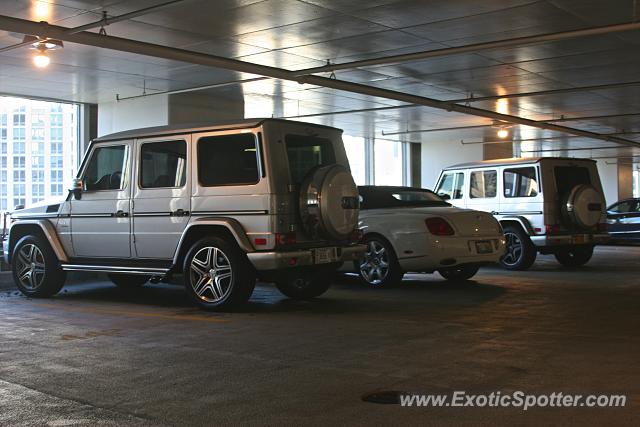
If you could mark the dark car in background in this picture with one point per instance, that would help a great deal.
(623, 218)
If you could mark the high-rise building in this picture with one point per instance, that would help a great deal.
(38, 139)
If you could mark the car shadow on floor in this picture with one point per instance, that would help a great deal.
(346, 295)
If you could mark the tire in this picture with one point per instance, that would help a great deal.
(36, 269)
(379, 268)
(575, 257)
(304, 286)
(217, 275)
(520, 252)
(459, 273)
(128, 281)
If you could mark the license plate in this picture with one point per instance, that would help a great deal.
(579, 239)
(325, 255)
(484, 247)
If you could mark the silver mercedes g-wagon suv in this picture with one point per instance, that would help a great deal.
(223, 204)
(550, 205)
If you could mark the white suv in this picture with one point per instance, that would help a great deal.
(223, 204)
(550, 205)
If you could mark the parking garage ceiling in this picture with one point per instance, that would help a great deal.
(593, 77)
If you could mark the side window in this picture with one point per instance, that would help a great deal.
(163, 164)
(621, 207)
(105, 168)
(445, 189)
(228, 160)
(484, 184)
(520, 182)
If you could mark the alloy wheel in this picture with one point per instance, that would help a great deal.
(374, 268)
(211, 274)
(514, 249)
(31, 266)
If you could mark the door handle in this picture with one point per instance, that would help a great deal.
(494, 213)
(180, 212)
(121, 214)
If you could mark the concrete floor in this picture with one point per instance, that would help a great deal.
(94, 355)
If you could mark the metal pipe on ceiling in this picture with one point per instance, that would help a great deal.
(544, 138)
(397, 107)
(475, 47)
(547, 150)
(103, 22)
(142, 48)
(460, 101)
(545, 92)
(562, 119)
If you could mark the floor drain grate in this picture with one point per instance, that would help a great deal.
(388, 397)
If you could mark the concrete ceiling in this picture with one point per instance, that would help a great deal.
(295, 35)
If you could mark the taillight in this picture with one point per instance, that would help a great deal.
(552, 229)
(356, 235)
(286, 238)
(439, 227)
(603, 227)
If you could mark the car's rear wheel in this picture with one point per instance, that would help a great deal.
(128, 281)
(574, 257)
(520, 252)
(459, 273)
(303, 286)
(36, 269)
(217, 275)
(379, 268)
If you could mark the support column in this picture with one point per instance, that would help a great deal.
(625, 180)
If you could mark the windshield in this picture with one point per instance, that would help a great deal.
(307, 152)
(398, 197)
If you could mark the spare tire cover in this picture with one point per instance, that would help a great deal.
(584, 206)
(329, 202)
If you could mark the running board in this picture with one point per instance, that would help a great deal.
(115, 269)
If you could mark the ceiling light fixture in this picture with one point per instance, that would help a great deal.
(42, 46)
(41, 59)
(502, 127)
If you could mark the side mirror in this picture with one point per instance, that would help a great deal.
(76, 188)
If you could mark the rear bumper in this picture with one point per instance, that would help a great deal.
(571, 239)
(266, 261)
(453, 251)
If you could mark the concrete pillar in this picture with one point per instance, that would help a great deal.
(625, 180)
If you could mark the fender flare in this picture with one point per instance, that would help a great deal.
(524, 223)
(49, 232)
(232, 225)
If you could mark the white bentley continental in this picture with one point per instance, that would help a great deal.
(414, 230)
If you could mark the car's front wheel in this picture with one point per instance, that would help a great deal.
(36, 269)
(217, 275)
(305, 285)
(459, 273)
(379, 268)
(574, 257)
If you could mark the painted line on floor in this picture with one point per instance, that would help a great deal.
(120, 312)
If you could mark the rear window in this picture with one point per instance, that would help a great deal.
(389, 197)
(484, 184)
(307, 152)
(228, 160)
(568, 177)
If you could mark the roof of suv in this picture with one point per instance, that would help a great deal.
(195, 127)
(511, 161)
